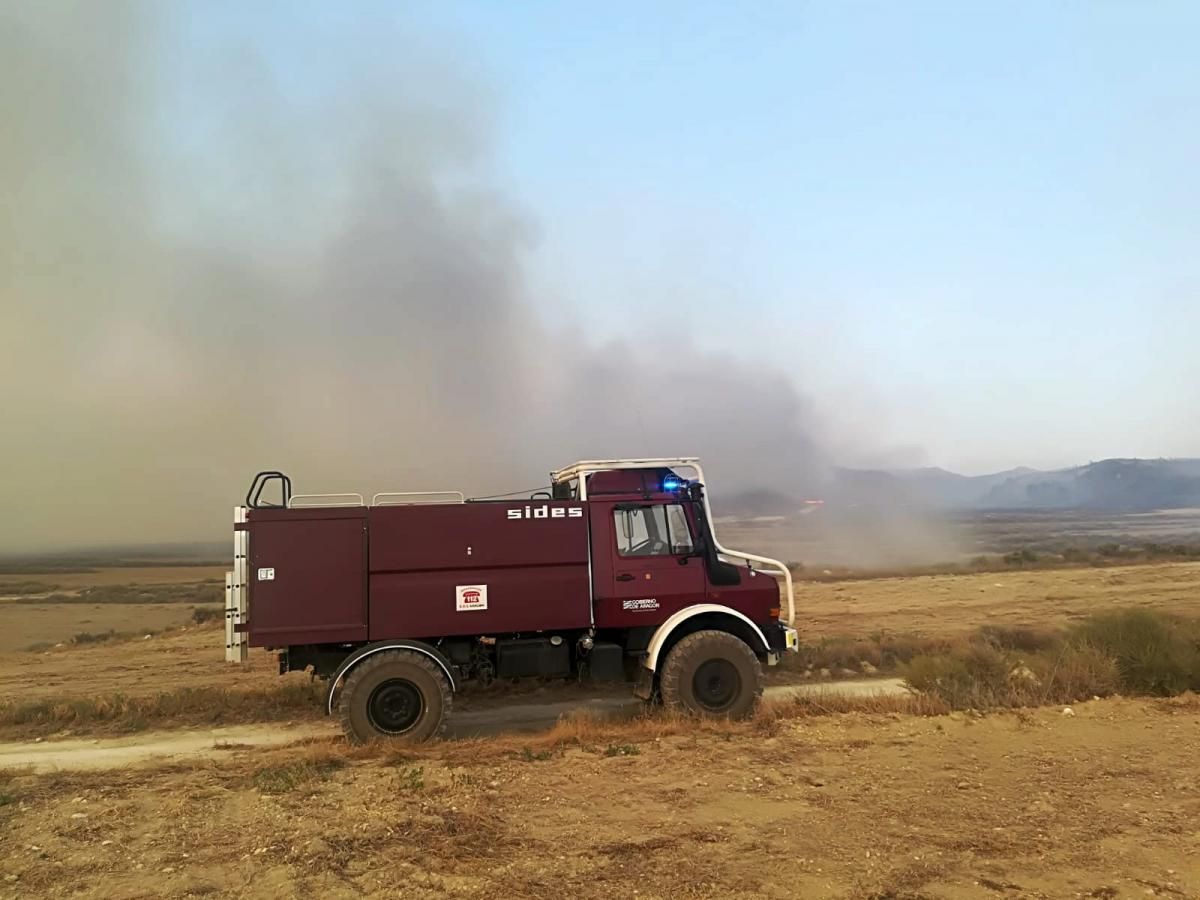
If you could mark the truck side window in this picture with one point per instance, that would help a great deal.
(681, 537)
(659, 530)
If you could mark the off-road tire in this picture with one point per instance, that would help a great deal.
(403, 673)
(713, 674)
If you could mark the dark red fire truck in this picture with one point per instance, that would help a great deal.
(613, 573)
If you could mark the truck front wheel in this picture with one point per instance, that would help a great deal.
(711, 673)
(394, 694)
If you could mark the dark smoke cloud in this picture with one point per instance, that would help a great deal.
(200, 277)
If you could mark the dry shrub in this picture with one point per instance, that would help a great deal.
(1026, 638)
(1156, 653)
(8, 795)
(198, 705)
(204, 614)
(587, 729)
(828, 704)
(281, 778)
(884, 650)
(1133, 651)
(1070, 673)
(981, 676)
(18, 588)
(1187, 703)
(198, 592)
(299, 765)
(107, 637)
(973, 677)
(97, 637)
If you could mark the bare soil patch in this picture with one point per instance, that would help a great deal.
(1104, 803)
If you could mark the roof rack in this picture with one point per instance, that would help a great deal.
(310, 501)
(406, 498)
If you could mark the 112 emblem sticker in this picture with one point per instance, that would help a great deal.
(470, 596)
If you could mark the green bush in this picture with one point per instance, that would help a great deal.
(1133, 651)
(1154, 653)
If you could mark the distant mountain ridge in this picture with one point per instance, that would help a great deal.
(1115, 485)
(1111, 484)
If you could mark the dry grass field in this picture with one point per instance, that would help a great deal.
(930, 605)
(850, 799)
(953, 604)
(44, 609)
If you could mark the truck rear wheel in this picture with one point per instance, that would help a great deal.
(712, 673)
(394, 694)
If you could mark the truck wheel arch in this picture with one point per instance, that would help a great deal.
(696, 618)
(363, 652)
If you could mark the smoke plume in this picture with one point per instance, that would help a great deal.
(202, 275)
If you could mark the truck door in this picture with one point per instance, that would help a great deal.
(644, 563)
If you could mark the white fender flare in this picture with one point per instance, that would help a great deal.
(363, 652)
(659, 638)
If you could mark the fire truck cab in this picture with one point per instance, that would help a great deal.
(613, 573)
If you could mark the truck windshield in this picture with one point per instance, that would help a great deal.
(660, 530)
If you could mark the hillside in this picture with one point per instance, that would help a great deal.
(1111, 484)
(1115, 485)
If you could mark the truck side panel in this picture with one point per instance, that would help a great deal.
(425, 604)
(467, 535)
(530, 558)
(307, 577)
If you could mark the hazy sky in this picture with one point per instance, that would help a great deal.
(975, 225)
(395, 246)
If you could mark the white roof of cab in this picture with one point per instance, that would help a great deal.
(588, 466)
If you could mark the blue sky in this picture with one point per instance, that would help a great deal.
(968, 230)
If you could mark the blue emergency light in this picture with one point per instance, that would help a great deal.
(672, 483)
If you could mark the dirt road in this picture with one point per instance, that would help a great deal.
(482, 721)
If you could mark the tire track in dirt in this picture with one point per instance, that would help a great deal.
(165, 746)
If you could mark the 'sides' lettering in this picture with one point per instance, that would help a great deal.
(546, 512)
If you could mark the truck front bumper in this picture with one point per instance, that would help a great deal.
(781, 639)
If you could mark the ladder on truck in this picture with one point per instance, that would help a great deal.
(236, 582)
